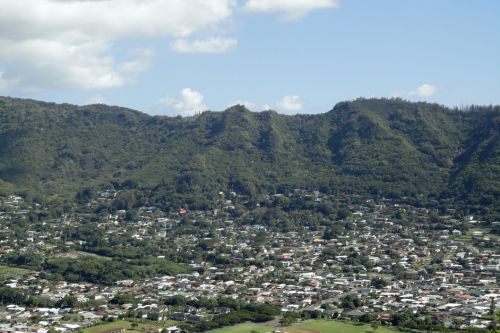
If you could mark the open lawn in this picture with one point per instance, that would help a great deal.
(467, 237)
(78, 254)
(310, 326)
(7, 272)
(127, 326)
(244, 328)
(109, 326)
(334, 326)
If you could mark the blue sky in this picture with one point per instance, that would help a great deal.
(295, 56)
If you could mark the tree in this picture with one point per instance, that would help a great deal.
(288, 318)
(379, 283)
(153, 316)
(67, 302)
(342, 214)
(375, 324)
(366, 318)
(260, 237)
(286, 321)
(350, 302)
(121, 299)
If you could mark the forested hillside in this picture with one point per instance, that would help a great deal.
(379, 146)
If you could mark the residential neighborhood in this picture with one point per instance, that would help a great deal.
(382, 257)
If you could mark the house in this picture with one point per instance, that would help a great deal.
(354, 314)
(172, 329)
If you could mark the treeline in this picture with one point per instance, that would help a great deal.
(97, 270)
(17, 297)
(232, 318)
(115, 245)
(237, 312)
(386, 147)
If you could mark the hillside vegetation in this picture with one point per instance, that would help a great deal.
(387, 147)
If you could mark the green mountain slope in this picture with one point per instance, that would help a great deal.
(380, 146)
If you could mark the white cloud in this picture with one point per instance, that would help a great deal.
(290, 104)
(188, 103)
(290, 9)
(50, 64)
(425, 90)
(249, 105)
(50, 44)
(211, 45)
(111, 19)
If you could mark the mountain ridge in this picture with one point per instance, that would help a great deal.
(378, 146)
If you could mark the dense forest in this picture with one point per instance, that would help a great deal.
(384, 147)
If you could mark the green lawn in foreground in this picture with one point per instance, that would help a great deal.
(334, 326)
(108, 326)
(143, 326)
(323, 326)
(244, 328)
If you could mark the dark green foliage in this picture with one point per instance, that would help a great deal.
(99, 270)
(14, 296)
(410, 320)
(25, 260)
(94, 269)
(239, 313)
(289, 318)
(366, 318)
(121, 299)
(496, 230)
(350, 301)
(67, 302)
(379, 283)
(381, 146)
(265, 309)
(232, 318)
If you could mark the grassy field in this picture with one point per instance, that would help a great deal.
(127, 326)
(109, 326)
(78, 254)
(467, 237)
(244, 328)
(7, 272)
(310, 326)
(334, 326)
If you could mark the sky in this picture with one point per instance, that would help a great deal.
(180, 57)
